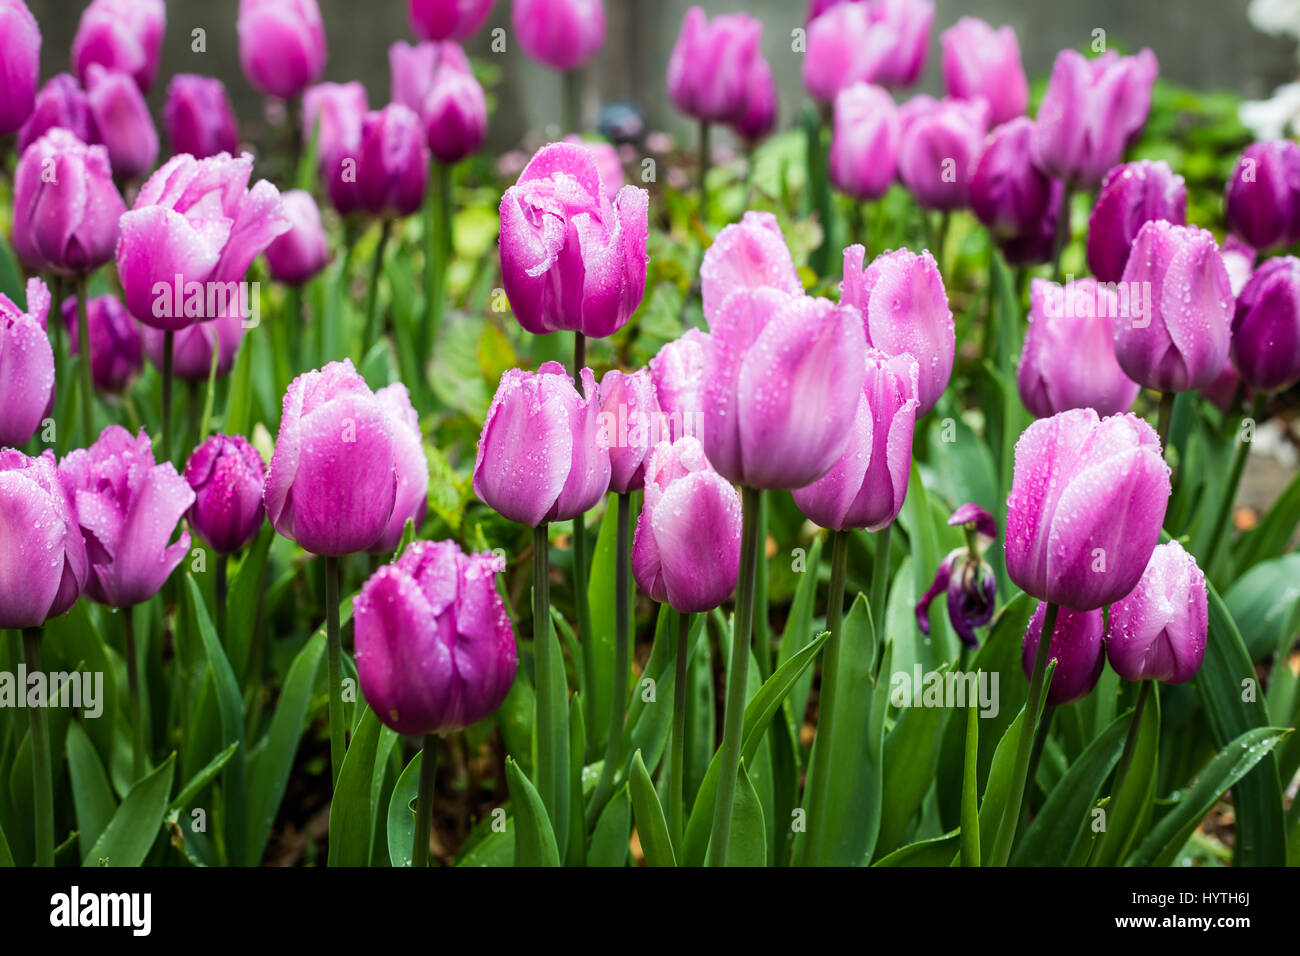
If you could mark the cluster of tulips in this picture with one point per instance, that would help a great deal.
(786, 394)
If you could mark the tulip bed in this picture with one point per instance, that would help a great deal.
(615, 504)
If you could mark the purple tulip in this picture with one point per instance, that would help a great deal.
(608, 162)
(333, 113)
(26, 365)
(711, 65)
(1076, 648)
(60, 102)
(1087, 502)
(128, 508)
(1225, 391)
(864, 142)
(571, 260)
(965, 577)
(122, 121)
(121, 35)
(412, 68)
(45, 565)
(302, 252)
(678, 373)
(115, 348)
(747, 255)
(20, 64)
(1131, 195)
(759, 116)
(454, 114)
(192, 347)
(435, 650)
(543, 455)
(561, 34)
(387, 172)
(1180, 340)
(905, 310)
(281, 45)
(1262, 198)
(66, 208)
(1068, 360)
(908, 22)
(198, 116)
(1266, 327)
(1158, 631)
(686, 552)
(227, 475)
(332, 485)
(980, 62)
(938, 147)
(1015, 202)
(197, 227)
(1091, 111)
(865, 488)
(412, 467)
(843, 49)
(440, 20)
(630, 416)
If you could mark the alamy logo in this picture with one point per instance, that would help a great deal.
(207, 300)
(74, 908)
(1114, 300)
(81, 690)
(950, 689)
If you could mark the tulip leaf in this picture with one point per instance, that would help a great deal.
(651, 827)
(577, 835)
(1262, 602)
(6, 855)
(609, 843)
(194, 786)
(91, 795)
(970, 815)
(238, 419)
(401, 813)
(919, 521)
(247, 592)
(650, 720)
(1131, 803)
(798, 628)
(600, 599)
(936, 851)
(534, 837)
(747, 845)
(1270, 537)
(351, 811)
(129, 835)
(910, 761)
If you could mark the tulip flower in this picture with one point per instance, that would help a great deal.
(435, 81)
(678, 374)
(759, 117)
(980, 62)
(192, 347)
(1076, 647)
(301, 253)
(1225, 391)
(631, 419)
(710, 69)
(122, 121)
(390, 170)
(905, 310)
(1014, 201)
(1131, 195)
(20, 54)
(60, 102)
(1180, 341)
(1068, 360)
(608, 161)
(864, 142)
(120, 35)
(561, 34)
(1239, 260)
(1158, 630)
(965, 577)
(227, 475)
(412, 494)
(26, 365)
(115, 347)
(747, 255)
(1266, 326)
(440, 20)
(571, 259)
(908, 23)
(333, 113)
(198, 116)
(843, 50)
(1262, 198)
(281, 45)
(939, 144)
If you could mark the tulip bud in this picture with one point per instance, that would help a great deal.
(122, 121)
(630, 417)
(45, 564)
(412, 496)
(20, 55)
(865, 488)
(980, 62)
(750, 254)
(440, 20)
(1087, 502)
(908, 23)
(192, 347)
(843, 50)
(570, 259)
(227, 475)
(302, 252)
(1266, 327)
(1180, 340)
(1016, 203)
(686, 552)
(435, 650)
(281, 45)
(678, 373)
(391, 170)
(905, 310)
(940, 142)
(60, 102)
(124, 36)
(198, 116)
(1262, 198)
(1131, 195)
(967, 579)
(26, 365)
(711, 65)
(66, 208)
(864, 142)
(128, 508)
(542, 456)
(759, 116)
(454, 114)
(1158, 631)
(115, 348)
(332, 485)
(1076, 648)
(561, 34)
(1068, 360)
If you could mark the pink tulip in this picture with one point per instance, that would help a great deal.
(440, 20)
(26, 365)
(1076, 647)
(199, 118)
(121, 35)
(281, 45)
(20, 64)
(980, 62)
(864, 142)
(630, 416)
(60, 102)
(115, 347)
(759, 116)
(1015, 202)
(711, 65)
(302, 252)
(122, 121)
(940, 142)
(412, 467)
(678, 373)
(192, 347)
(750, 254)
(1158, 630)
(561, 34)
(228, 476)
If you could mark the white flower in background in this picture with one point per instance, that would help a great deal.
(1275, 17)
(1275, 117)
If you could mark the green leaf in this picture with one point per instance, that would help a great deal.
(1261, 603)
(401, 813)
(609, 842)
(239, 393)
(747, 845)
(910, 761)
(91, 795)
(798, 628)
(1131, 803)
(128, 836)
(1270, 537)
(6, 856)
(936, 851)
(351, 812)
(534, 838)
(204, 777)
(246, 591)
(600, 599)
(651, 826)
(970, 819)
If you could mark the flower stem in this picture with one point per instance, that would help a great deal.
(1130, 742)
(733, 721)
(334, 654)
(580, 580)
(613, 763)
(573, 100)
(219, 594)
(424, 801)
(373, 331)
(552, 765)
(438, 243)
(705, 159)
(133, 685)
(1062, 233)
(42, 779)
(1164, 416)
(1223, 519)
(880, 575)
(762, 636)
(169, 357)
(87, 385)
(677, 755)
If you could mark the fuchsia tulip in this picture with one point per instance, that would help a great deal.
(302, 252)
(711, 66)
(843, 50)
(1131, 195)
(938, 147)
(561, 34)
(908, 22)
(227, 475)
(1262, 197)
(631, 419)
(43, 564)
(412, 467)
(749, 254)
(123, 36)
(435, 81)
(1266, 327)
(128, 508)
(980, 62)
(192, 347)
(543, 455)
(608, 162)
(333, 113)
(66, 208)
(390, 169)
(678, 373)
(1092, 110)
(440, 20)
(122, 121)
(1076, 648)
(1158, 631)
(571, 260)
(905, 310)
(435, 650)
(966, 578)
(196, 219)
(60, 102)
(115, 348)
(1181, 341)
(1015, 202)
(1068, 360)
(281, 45)
(759, 116)
(864, 142)
(332, 485)
(865, 488)
(686, 552)
(20, 64)
(1087, 502)
(26, 365)
(198, 116)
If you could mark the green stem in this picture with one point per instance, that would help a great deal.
(424, 801)
(1062, 233)
(334, 651)
(677, 754)
(438, 244)
(550, 773)
(1164, 416)
(880, 575)
(581, 599)
(573, 100)
(762, 636)
(87, 385)
(133, 686)
(219, 592)
(373, 331)
(705, 160)
(1040, 741)
(194, 410)
(941, 241)
(169, 358)
(733, 721)
(1130, 742)
(42, 776)
(1223, 519)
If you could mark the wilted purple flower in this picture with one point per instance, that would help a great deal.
(864, 142)
(980, 62)
(281, 45)
(440, 20)
(122, 121)
(1158, 630)
(115, 349)
(1266, 327)
(20, 64)
(711, 65)
(412, 496)
(26, 365)
(227, 475)
(120, 35)
(198, 116)
(1262, 198)
(1076, 647)
(965, 577)
(1016, 203)
(60, 102)
(939, 144)
(561, 34)
(1131, 196)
